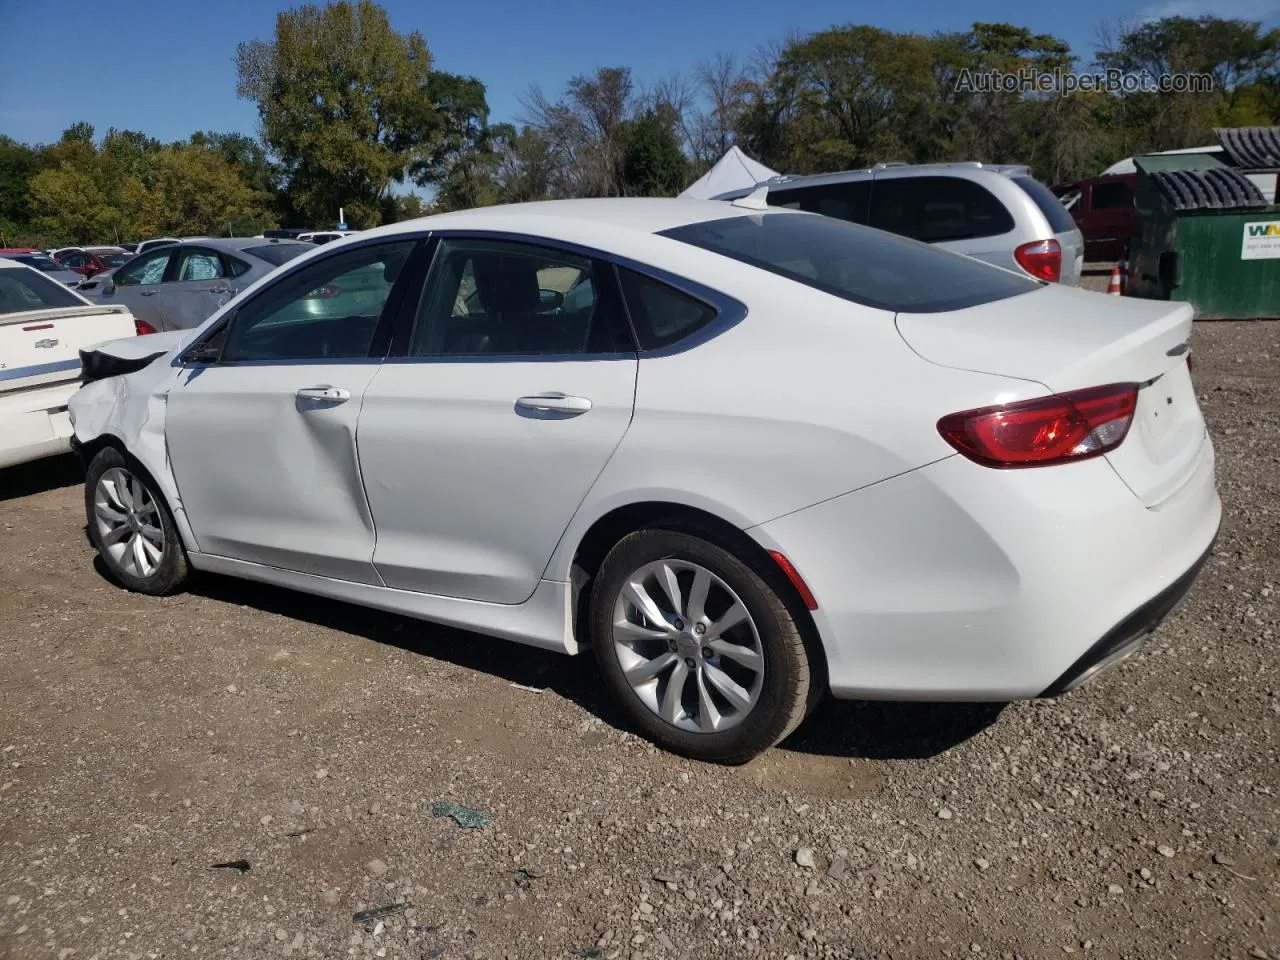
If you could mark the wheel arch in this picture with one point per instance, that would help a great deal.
(610, 527)
(86, 450)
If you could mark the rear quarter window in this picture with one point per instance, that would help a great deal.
(660, 314)
(1054, 210)
(856, 263)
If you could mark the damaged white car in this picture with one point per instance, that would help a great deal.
(43, 326)
(746, 455)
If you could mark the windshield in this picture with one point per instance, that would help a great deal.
(278, 253)
(22, 289)
(856, 263)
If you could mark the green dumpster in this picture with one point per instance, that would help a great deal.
(1205, 236)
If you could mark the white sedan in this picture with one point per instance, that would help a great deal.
(43, 326)
(746, 455)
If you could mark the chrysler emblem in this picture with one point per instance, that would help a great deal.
(45, 344)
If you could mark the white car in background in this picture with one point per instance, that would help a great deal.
(43, 326)
(745, 455)
(325, 236)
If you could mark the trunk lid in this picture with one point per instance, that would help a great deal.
(1068, 339)
(41, 347)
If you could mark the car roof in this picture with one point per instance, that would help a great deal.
(966, 168)
(551, 217)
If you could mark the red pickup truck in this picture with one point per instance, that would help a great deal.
(1102, 208)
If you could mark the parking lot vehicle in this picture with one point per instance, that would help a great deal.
(179, 285)
(30, 257)
(997, 213)
(90, 261)
(285, 233)
(747, 455)
(43, 325)
(1102, 208)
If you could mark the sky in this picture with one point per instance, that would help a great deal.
(165, 66)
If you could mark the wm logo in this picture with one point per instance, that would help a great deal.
(1264, 229)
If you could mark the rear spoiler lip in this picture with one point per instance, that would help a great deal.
(56, 313)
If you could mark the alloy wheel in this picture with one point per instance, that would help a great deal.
(128, 522)
(688, 646)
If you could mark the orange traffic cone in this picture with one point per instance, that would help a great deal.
(1113, 287)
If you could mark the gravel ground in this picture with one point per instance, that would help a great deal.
(306, 744)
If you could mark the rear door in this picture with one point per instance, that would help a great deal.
(137, 286)
(201, 285)
(479, 442)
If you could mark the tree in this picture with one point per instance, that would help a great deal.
(18, 165)
(652, 162)
(346, 104)
(584, 128)
(203, 194)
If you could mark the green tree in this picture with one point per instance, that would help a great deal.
(652, 163)
(345, 103)
(18, 165)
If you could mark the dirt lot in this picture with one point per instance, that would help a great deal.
(146, 740)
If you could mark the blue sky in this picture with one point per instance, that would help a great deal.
(165, 66)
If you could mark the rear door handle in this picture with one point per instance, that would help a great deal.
(218, 289)
(557, 403)
(148, 293)
(330, 394)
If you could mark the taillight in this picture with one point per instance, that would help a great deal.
(1036, 433)
(142, 327)
(1042, 259)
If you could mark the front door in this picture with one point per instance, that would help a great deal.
(137, 285)
(478, 445)
(263, 437)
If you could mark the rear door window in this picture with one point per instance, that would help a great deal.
(937, 209)
(855, 263)
(1054, 210)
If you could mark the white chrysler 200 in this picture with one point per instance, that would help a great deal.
(747, 455)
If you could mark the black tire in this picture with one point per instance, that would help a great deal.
(787, 689)
(171, 569)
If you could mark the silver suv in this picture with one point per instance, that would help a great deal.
(993, 212)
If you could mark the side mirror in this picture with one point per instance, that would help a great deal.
(203, 352)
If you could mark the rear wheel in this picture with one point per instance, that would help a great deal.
(698, 646)
(131, 526)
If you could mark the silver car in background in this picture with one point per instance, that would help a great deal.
(998, 213)
(178, 286)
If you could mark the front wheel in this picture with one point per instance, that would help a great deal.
(131, 526)
(698, 646)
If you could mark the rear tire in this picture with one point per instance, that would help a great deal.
(131, 527)
(721, 675)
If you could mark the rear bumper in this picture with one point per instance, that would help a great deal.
(1125, 637)
(34, 423)
(955, 582)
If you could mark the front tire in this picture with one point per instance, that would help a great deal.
(131, 527)
(698, 646)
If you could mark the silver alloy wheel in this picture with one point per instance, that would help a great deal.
(687, 646)
(128, 520)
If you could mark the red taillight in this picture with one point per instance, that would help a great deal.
(802, 588)
(1035, 433)
(1042, 259)
(323, 293)
(142, 327)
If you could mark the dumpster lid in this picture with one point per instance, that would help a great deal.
(1211, 188)
(1251, 148)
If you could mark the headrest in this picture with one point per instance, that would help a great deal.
(507, 284)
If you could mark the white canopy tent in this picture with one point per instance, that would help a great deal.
(733, 171)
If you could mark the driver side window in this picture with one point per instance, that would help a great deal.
(329, 309)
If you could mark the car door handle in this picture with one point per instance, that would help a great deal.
(148, 293)
(557, 403)
(330, 394)
(219, 289)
